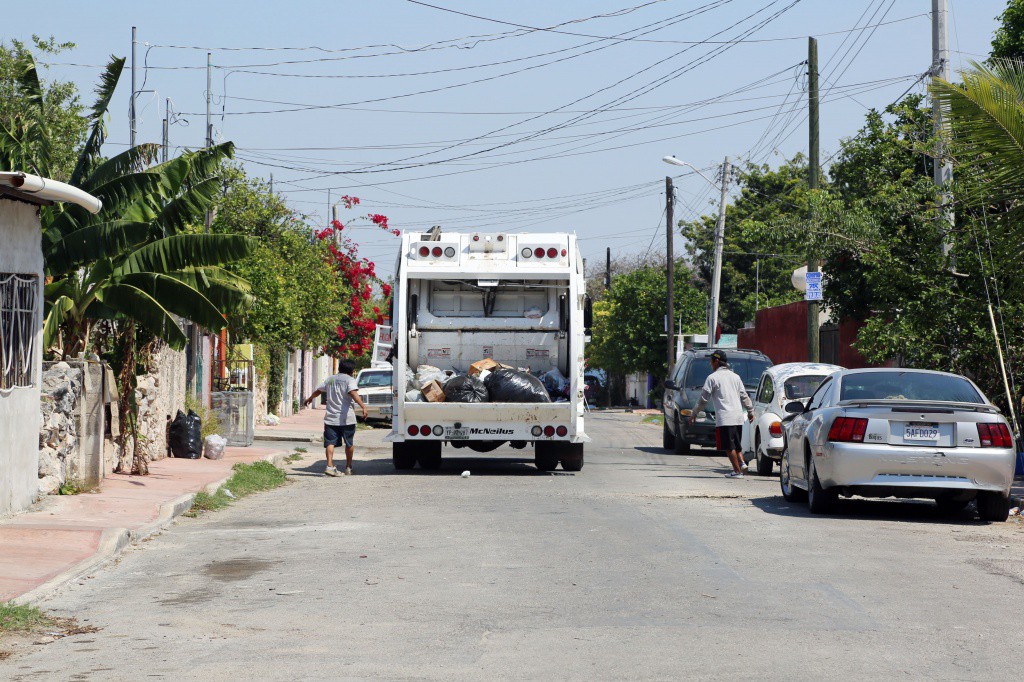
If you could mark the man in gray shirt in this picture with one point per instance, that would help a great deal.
(725, 390)
(340, 421)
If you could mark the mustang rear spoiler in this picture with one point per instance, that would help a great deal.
(921, 406)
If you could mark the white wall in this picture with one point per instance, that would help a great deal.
(21, 252)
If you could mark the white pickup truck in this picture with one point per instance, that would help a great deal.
(516, 298)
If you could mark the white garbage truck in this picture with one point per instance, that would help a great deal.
(516, 299)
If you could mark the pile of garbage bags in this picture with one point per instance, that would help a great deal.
(501, 384)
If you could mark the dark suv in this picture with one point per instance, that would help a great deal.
(682, 391)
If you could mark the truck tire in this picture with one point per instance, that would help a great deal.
(403, 456)
(668, 441)
(545, 457)
(992, 506)
(571, 456)
(429, 455)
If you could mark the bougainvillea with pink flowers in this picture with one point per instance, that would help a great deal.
(355, 333)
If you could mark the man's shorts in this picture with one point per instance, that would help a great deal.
(727, 438)
(334, 435)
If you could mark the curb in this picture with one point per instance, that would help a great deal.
(113, 541)
(288, 438)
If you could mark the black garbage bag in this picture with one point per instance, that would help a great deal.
(513, 386)
(185, 435)
(465, 389)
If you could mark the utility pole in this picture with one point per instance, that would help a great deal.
(716, 275)
(271, 183)
(608, 268)
(209, 128)
(334, 220)
(165, 138)
(670, 304)
(131, 101)
(943, 170)
(813, 350)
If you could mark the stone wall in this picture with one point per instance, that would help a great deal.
(58, 425)
(260, 408)
(159, 395)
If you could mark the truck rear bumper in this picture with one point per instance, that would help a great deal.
(490, 421)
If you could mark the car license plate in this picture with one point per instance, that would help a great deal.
(385, 411)
(456, 434)
(921, 432)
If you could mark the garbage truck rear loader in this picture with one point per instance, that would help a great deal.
(518, 299)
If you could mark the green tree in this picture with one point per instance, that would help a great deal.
(752, 275)
(629, 323)
(1008, 41)
(61, 109)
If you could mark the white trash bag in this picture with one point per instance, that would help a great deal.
(214, 447)
(427, 373)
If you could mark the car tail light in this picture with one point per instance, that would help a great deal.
(437, 252)
(775, 429)
(424, 430)
(561, 431)
(549, 431)
(994, 436)
(414, 430)
(848, 430)
(538, 252)
(424, 251)
(536, 431)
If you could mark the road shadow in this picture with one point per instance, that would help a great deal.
(862, 509)
(694, 452)
(451, 465)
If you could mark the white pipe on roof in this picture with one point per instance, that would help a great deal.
(51, 190)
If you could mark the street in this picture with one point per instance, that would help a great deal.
(644, 565)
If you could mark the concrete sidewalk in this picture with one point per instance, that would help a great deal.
(65, 537)
(307, 424)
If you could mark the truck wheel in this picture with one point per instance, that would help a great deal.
(572, 457)
(668, 441)
(544, 456)
(403, 456)
(992, 506)
(429, 455)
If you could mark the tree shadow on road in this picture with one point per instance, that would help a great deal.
(860, 509)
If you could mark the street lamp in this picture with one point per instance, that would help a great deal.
(716, 277)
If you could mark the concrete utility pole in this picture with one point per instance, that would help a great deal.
(670, 304)
(608, 268)
(813, 171)
(716, 275)
(131, 101)
(943, 170)
(165, 137)
(209, 129)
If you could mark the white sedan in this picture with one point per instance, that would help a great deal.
(780, 384)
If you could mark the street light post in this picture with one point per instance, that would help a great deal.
(716, 275)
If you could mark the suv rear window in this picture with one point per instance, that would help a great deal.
(897, 385)
(749, 368)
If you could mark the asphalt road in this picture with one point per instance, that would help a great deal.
(644, 565)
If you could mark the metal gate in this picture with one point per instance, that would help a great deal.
(828, 344)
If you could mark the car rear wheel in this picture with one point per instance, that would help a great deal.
(820, 500)
(789, 491)
(993, 506)
(764, 464)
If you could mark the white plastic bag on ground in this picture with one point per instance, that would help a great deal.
(272, 420)
(214, 447)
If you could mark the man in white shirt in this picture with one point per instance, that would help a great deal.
(340, 420)
(725, 390)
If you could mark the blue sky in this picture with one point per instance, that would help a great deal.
(417, 110)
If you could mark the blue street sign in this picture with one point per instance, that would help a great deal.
(813, 280)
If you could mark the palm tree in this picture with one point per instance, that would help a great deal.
(987, 116)
(139, 259)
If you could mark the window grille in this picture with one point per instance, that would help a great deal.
(18, 300)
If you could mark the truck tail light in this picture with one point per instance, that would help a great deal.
(438, 430)
(552, 252)
(413, 430)
(549, 431)
(449, 252)
(994, 436)
(424, 430)
(561, 431)
(424, 252)
(437, 252)
(527, 252)
(538, 252)
(775, 429)
(848, 430)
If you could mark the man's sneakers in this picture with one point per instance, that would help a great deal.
(733, 474)
(348, 471)
(745, 468)
(331, 471)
